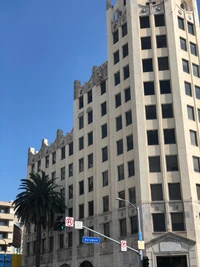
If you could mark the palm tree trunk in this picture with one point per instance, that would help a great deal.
(38, 244)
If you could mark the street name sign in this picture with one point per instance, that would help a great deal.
(140, 236)
(91, 240)
(69, 221)
(78, 225)
(123, 245)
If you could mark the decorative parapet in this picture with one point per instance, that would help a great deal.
(120, 21)
(46, 149)
(152, 8)
(99, 74)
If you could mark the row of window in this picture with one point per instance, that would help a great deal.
(116, 33)
(186, 68)
(190, 26)
(193, 47)
(159, 21)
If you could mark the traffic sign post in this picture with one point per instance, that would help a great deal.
(69, 221)
(123, 245)
(90, 240)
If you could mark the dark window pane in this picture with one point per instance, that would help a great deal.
(90, 184)
(129, 141)
(174, 191)
(103, 109)
(103, 88)
(118, 123)
(163, 63)
(71, 148)
(127, 94)
(196, 164)
(159, 222)
(131, 168)
(81, 143)
(81, 165)
(105, 178)
(146, 43)
(172, 163)
(167, 111)
(193, 138)
(90, 161)
(177, 222)
(123, 230)
(89, 95)
(105, 203)
(185, 66)
(117, 100)
(104, 131)
(90, 117)
(144, 22)
(81, 122)
(121, 195)
(124, 30)
(159, 20)
(191, 28)
(119, 147)
(81, 187)
(117, 78)
(120, 171)
(125, 50)
(190, 111)
(198, 112)
(181, 23)
(115, 37)
(116, 57)
(132, 195)
(152, 137)
(188, 90)
(193, 49)
(104, 154)
(90, 208)
(134, 225)
(128, 118)
(198, 191)
(183, 44)
(154, 164)
(149, 88)
(147, 65)
(81, 102)
(161, 41)
(195, 70)
(165, 87)
(156, 192)
(169, 136)
(151, 112)
(126, 72)
(90, 138)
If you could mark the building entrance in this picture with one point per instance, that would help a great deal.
(172, 261)
(86, 264)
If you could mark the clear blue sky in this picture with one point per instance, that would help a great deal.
(45, 45)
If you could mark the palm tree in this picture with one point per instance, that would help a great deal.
(39, 199)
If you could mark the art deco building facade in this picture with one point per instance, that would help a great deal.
(135, 136)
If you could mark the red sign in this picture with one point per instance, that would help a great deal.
(123, 245)
(69, 221)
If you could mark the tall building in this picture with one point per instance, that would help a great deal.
(136, 137)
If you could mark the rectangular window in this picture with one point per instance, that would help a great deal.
(103, 88)
(131, 168)
(70, 169)
(165, 87)
(161, 41)
(90, 208)
(183, 44)
(174, 191)
(124, 2)
(126, 72)
(169, 136)
(43, 244)
(159, 20)
(195, 70)
(71, 149)
(134, 225)
(156, 192)
(104, 131)
(104, 154)
(154, 164)
(188, 90)
(152, 137)
(62, 173)
(90, 161)
(105, 203)
(147, 65)
(81, 103)
(198, 191)
(125, 50)
(123, 230)
(127, 94)
(190, 112)
(81, 165)
(117, 100)
(196, 164)
(81, 187)
(106, 229)
(144, 22)
(128, 117)
(146, 43)
(121, 195)
(53, 176)
(115, 37)
(81, 234)
(90, 138)
(177, 222)
(198, 112)
(172, 163)
(89, 96)
(116, 57)
(149, 88)
(193, 138)
(117, 78)
(32, 168)
(119, 147)
(70, 212)
(81, 211)
(197, 91)
(105, 178)
(54, 157)
(63, 153)
(118, 123)
(185, 66)
(124, 30)
(61, 241)
(51, 244)
(193, 49)
(47, 162)
(167, 111)
(129, 142)
(62, 192)
(90, 184)
(159, 222)
(70, 240)
(90, 117)
(151, 112)
(163, 63)
(81, 143)
(181, 23)
(191, 28)
(120, 171)
(132, 195)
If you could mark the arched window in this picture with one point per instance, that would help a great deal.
(65, 265)
(86, 264)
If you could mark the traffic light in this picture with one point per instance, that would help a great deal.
(145, 261)
(59, 224)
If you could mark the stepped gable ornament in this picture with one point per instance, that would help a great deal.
(121, 20)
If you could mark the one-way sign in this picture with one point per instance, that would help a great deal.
(91, 240)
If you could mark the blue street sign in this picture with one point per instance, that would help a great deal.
(92, 240)
(140, 236)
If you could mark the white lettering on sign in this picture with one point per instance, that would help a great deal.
(123, 245)
(170, 246)
(69, 221)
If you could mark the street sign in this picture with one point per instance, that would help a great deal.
(78, 225)
(69, 221)
(123, 245)
(91, 240)
(140, 236)
(141, 245)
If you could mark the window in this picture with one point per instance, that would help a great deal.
(161, 41)
(159, 20)
(105, 178)
(190, 112)
(183, 44)
(32, 168)
(156, 192)
(90, 208)
(129, 142)
(70, 212)
(154, 164)
(174, 191)
(177, 221)
(198, 191)
(62, 172)
(81, 103)
(144, 22)
(89, 96)
(120, 147)
(198, 111)
(131, 168)
(151, 112)
(104, 131)
(53, 157)
(43, 244)
(118, 123)
(193, 138)
(172, 163)
(196, 164)
(90, 184)
(195, 70)
(115, 37)
(62, 192)
(70, 188)
(152, 137)
(146, 43)
(53, 176)
(104, 154)
(81, 165)
(128, 117)
(81, 211)
(134, 225)
(90, 138)
(163, 63)
(123, 230)
(91, 234)
(181, 23)
(124, 2)
(126, 72)
(197, 91)
(169, 136)
(117, 78)
(81, 143)
(39, 166)
(27, 248)
(81, 187)
(125, 50)
(47, 162)
(105, 203)
(70, 240)
(167, 111)
(120, 171)
(191, 28)
(127, 94)
(71, 149)
(185, 66)
(147, 65)
(70, 169)
(165, 87)
(117, 100)
(116, 57)
(103, 109)
(106, 229)
(103, 88)
(81, 234)
(90, 161)
(51, 244)
(149, 88)
(121, 195)
(124, 30)
(90, 117)
(188, 90)
(132, 195)
(63, 153)
(159, 222)
(193, 49)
